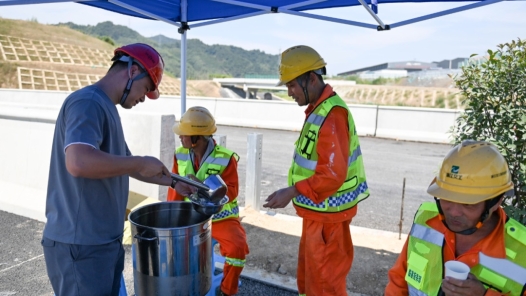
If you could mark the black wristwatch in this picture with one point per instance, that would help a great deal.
(173, 183)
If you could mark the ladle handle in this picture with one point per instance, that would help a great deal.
(190, 181)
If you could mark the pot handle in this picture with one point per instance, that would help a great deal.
(149, 239)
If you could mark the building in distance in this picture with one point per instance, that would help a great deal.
(402, 69)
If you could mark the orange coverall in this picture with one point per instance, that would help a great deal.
(326, 250)
(492, 245)
(229, 233)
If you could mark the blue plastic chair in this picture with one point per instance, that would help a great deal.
(122, 290)
(216, 278)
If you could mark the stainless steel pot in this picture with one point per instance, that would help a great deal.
(171, 250)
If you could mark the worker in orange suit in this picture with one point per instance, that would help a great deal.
(199, 157)
(465, 223)
(326, 179)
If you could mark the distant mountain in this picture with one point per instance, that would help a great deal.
(203, 61)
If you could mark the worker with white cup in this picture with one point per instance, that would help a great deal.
(464, 226)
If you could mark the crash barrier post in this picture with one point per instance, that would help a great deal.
(253, 179)
(220, 140)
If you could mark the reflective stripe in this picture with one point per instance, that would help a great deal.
(334, 201)
(427, 234)
(414, 292)
(348, 197)
(304, 163)
(355, 154)
(226, 213)
(182, 156)
(505, 267)
(235, 261)
(315, 119)
(218, 161)
(307, 201)
(311, 164)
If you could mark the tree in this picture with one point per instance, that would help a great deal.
(494, 94)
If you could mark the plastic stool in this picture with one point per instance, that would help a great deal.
(122, 290)
(216, 278)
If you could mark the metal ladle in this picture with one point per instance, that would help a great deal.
(215, 195)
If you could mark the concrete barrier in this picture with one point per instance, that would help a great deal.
(365, 118)
(149, 134)
(27, 135)
(33, 97)
(27, 120)
(415, 124)
(24, 162)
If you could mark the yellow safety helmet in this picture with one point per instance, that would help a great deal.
(472, 172)
(298, 60)
(196, 121)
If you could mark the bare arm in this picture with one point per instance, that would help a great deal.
(164, 180)
(88, 162)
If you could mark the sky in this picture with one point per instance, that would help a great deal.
(343, 47)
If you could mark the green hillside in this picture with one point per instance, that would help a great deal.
(203, 61)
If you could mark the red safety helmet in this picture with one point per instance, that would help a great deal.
(149, 59)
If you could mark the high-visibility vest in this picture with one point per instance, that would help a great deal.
(305, 159)
(425, 263)
(214, 164)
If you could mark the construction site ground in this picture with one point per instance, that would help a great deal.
(273, 237)
(270, 267)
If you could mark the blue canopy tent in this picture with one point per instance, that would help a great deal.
(186, 14)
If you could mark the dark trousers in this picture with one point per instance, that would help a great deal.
(84, 270)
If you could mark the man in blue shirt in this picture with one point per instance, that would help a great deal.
(89, 176)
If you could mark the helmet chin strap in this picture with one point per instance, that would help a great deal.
(194, 140)
(488, 204)
(304, 87)
(127, 89)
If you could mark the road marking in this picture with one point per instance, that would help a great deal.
(6, 269)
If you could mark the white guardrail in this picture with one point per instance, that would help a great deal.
(27, 121)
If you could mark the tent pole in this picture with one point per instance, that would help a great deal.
(183, 55)
(371, 12)
(183, 73)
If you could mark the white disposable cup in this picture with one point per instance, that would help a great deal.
(457, 270)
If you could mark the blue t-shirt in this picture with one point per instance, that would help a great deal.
(81, 210)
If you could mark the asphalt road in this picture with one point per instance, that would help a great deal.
(387, 163)
(23, 270)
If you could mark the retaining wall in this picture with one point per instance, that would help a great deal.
(27, 134)
(27, 121)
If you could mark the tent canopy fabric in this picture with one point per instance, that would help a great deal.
(193, 13)
(199, 10)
